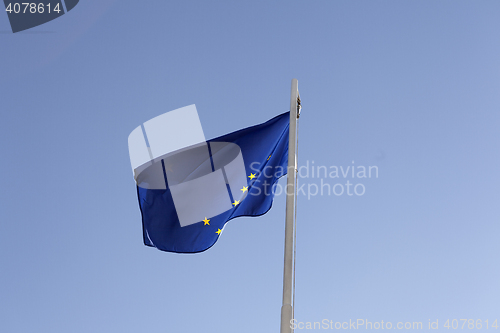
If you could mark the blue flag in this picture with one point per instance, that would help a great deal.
(186, 197)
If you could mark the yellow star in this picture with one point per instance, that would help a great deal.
(235, 203)
(206, 221)
(244, 189)
(252, 176)
(218, 231)
(269, 157)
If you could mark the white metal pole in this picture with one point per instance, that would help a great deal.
(286, 309)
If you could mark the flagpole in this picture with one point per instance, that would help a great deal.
(288, 283)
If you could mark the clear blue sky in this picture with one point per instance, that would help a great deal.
(411, 87)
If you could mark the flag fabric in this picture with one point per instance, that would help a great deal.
(207, 185)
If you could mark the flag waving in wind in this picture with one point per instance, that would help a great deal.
(189, 188)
